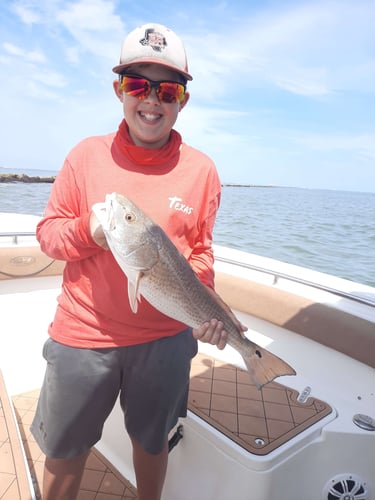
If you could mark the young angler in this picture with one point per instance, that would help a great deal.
(98, 348)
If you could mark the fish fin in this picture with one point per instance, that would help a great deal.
(133, 292)
(263, 366)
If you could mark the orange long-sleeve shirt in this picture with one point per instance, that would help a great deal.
(180, 190)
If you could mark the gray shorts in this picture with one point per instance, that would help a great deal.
(81, 387)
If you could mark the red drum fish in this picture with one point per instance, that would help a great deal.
(156, 270)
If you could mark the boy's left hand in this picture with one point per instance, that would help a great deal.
(212, 332)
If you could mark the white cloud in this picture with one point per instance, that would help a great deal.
(50, 79)
(33, 56)
(27, 15)
(306, 48)
(12, 49)
(92, 24)
(38, 90)
(362, 144)
(89, 15)
(309, 82)
(72, 54)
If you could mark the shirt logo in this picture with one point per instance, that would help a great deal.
(175, 203)
(154, 39)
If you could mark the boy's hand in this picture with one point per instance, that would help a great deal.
(97, 232)
(213, 331)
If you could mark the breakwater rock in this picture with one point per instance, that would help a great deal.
(26, 178)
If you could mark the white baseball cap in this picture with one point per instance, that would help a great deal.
(154, 43)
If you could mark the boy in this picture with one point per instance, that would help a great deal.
(98, 349)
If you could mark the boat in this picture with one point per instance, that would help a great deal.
(309, 436)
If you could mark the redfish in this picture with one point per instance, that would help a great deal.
(156, 270)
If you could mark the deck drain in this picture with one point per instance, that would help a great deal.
(260, 442)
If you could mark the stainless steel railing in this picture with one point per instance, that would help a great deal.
(280, 275)
(275, 274)
(15, 235)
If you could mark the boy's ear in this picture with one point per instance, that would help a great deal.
(184, 102)
(118, 90)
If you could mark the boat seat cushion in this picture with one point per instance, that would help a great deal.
(323, 323)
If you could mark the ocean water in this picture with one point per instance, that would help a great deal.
(328, 231)
(324, 230)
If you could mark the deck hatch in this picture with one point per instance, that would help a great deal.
(259, 421)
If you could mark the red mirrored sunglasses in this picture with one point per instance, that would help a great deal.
(140, 87)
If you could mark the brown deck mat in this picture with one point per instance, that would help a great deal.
(100, 479)
(220, 394)
(14, 480)
(259, 421)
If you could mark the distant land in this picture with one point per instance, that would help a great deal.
(26, 178)
(225, 184)
(51, 178)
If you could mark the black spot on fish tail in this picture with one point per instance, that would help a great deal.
(264, 366)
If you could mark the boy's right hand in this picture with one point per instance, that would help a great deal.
(97, 232)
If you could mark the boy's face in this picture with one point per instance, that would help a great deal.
(150, 120)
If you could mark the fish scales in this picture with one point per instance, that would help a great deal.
(172, 287)
(157, 271)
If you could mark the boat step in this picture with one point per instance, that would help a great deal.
(259, 421)
(15, 478)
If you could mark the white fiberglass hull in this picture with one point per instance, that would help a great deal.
(206, 464)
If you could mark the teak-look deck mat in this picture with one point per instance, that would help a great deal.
(258, 420)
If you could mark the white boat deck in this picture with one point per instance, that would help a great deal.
(238, 443)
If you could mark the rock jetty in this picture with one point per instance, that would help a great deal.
(26, 178)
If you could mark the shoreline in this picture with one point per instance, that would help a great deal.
(226, 184)
(26, 178)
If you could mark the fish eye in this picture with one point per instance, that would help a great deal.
(129, 217)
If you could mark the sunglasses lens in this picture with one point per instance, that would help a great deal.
(136, 87)
(169, 92)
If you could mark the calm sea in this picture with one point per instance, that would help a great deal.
(329, 231)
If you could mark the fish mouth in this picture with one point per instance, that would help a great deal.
(105, 212)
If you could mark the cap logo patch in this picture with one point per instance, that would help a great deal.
(154, 39)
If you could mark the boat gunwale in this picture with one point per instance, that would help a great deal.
(276, 274)
(302, 281)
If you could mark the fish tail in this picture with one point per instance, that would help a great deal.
(263, 366)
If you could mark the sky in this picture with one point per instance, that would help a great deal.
(283, 91)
